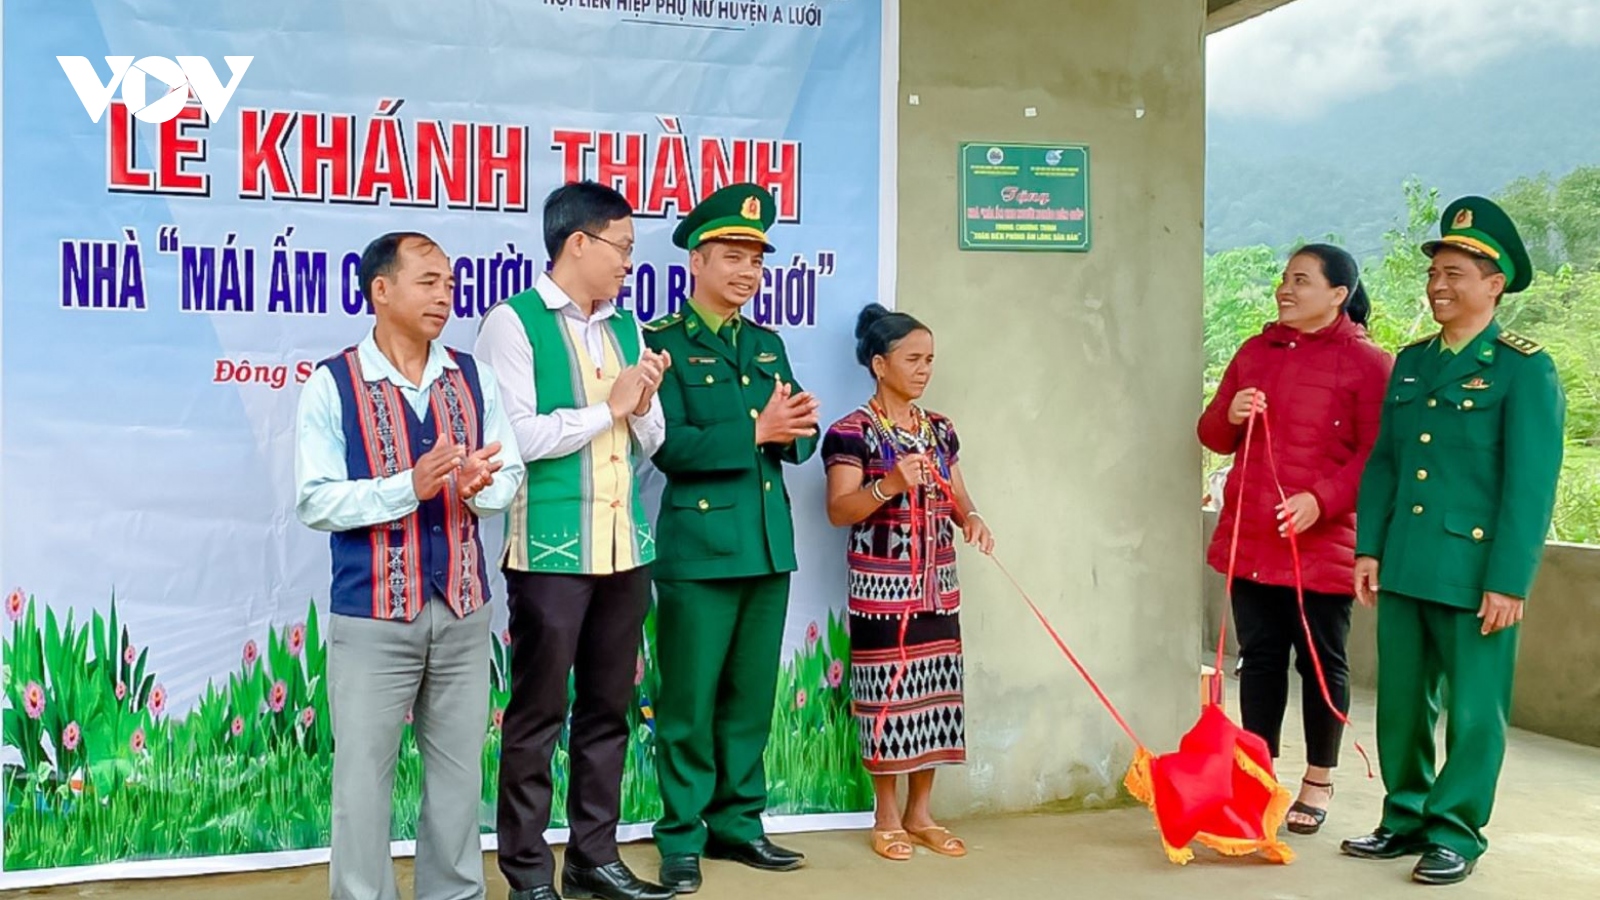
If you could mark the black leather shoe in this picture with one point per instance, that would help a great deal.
(681, 872)
(757, 854)
(1441, 865)
(542, 892)
(1382, 844)
(612, 881)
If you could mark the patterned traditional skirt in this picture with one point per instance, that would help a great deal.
(926, 721)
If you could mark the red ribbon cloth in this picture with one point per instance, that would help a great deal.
(1219, 788)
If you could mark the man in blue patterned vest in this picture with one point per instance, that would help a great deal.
(580, 393)
(401, 447)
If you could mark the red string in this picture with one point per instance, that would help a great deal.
(914, 500)
(1233, 554)
(1243, 457)
(1300, 580)
(894, 683)
(943, 484)
(1071, 657)
(922, 511)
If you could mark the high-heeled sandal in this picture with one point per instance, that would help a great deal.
(1317, 815)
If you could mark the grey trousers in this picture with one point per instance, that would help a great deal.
(437, 667)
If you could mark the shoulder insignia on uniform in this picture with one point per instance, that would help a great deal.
(1421, 340)
(665, 322)
(1525, 346)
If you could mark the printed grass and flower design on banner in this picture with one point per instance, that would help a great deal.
(108, 772)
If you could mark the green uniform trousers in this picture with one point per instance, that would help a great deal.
(1428, 652)
(718, 646)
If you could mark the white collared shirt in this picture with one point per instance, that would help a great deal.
(503, 346)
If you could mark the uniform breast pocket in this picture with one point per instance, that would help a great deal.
(705, 525)
(764, 378)
(1477, 413)
(710, 394)
(1404, 392)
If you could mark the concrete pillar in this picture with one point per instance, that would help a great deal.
(1072, 378)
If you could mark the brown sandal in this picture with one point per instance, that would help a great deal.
(892, 845)
(939, 840)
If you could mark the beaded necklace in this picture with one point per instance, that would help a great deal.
(920, 438)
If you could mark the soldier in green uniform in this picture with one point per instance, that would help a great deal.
(1453, 513)
(725, 543)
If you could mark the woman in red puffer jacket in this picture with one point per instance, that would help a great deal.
(1325, 381)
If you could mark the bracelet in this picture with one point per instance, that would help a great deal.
(877, 492)
(974, 514)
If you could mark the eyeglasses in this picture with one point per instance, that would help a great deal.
(625, 250)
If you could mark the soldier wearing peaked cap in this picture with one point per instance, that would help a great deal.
(1454, 509)
(734, 417)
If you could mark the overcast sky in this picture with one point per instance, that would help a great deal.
(1296, 61)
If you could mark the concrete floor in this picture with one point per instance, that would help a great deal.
(1545, 836)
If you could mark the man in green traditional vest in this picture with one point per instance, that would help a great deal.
(734, 417)
(1455, 505)
(579, 388)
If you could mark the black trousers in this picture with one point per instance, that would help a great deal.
(1267, 620)
(590, 626)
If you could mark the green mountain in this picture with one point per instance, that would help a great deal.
(1276, 182)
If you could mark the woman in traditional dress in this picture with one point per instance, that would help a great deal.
(894, 479)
